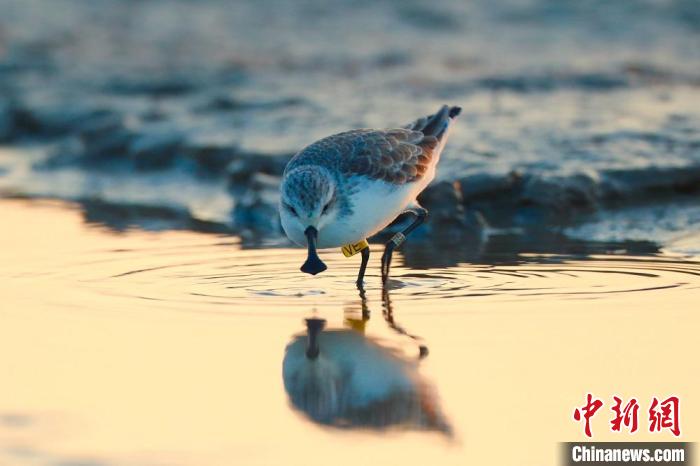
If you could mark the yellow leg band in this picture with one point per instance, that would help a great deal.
(350, 250)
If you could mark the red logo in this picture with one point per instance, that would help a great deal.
(589, 409)
(662, 414)
(626, 416)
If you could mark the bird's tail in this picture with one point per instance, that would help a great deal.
(436, 125)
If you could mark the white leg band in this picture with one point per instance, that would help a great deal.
(398, 239)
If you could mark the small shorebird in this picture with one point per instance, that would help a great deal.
(344, 188)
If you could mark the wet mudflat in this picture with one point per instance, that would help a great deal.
(141, 347)
(184, 114)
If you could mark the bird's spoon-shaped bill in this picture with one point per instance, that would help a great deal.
(313, 265)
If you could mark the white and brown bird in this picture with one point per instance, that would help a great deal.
(347, 187)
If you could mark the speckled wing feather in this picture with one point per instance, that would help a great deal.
(396, 156)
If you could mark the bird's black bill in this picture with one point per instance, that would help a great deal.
(313, 264)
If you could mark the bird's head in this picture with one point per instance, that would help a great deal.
(308, 202)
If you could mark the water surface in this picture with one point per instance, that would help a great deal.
(168, 348)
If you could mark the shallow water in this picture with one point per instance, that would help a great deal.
(169, 347)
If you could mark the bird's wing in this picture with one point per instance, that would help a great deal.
(396, 156)
(403, 155)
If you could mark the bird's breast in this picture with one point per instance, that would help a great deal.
(374, 205)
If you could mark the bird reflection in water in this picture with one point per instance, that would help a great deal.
(342, 378)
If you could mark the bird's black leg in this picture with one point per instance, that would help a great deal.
(398, 239)
(363, 267)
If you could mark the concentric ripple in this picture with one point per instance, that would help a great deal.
(222, 276)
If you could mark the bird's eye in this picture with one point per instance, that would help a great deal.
(325, 208)
(292, 210)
